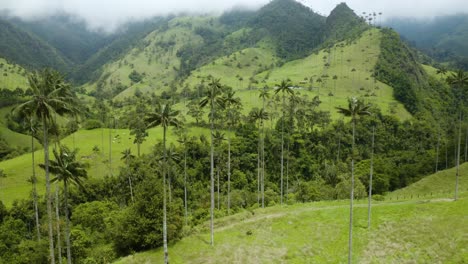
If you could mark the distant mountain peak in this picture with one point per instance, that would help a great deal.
(343, 23)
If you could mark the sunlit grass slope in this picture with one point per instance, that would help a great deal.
(411, 231)
(14, 139)
(334, 74)
(18, 170)
(12, 76)
(401, 232)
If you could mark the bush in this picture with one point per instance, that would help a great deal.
(92, 124)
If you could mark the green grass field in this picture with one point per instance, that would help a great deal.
(12, 76)
(18, 170)
(431, 230)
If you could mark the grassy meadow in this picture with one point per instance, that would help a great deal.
(426, 230)
(18, 170)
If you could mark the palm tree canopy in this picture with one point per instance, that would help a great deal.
(66, 168)
(284, 87)
(127, 155)
(163, 116)
(458, 79)
(51, 95)
(258, 115)
(355, 108)
(264, 94)
(213, 95)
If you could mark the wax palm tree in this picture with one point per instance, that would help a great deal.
(51, 96)
(164, 116)
(355, 109)
(258, 116)
(459, 81)
(231, 102)
(264, 95)
(67, 170)
(218, 138)
(127, 156)
(184, 140)
(285, 88)
(214, 100)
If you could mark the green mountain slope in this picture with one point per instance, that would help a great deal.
(12, 76)
(24, 48)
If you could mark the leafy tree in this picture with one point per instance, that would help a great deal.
(51, 96)
(164, 116)
(68, 170)
(355, 109)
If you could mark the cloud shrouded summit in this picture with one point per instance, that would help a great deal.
(109, 14)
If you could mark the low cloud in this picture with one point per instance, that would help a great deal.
(109, 14)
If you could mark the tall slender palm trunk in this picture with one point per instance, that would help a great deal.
(185, 185)
(67, 221)
(212, 177)
(34, 184)
(229, 174)
(437, 151)
(166, 253)
(458, 157)
(369, 206)
(48, 193)
(57, 223)
(351, 198)
(282, 151)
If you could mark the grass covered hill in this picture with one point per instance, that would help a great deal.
(419, 230)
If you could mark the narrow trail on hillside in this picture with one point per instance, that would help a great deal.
(291, 211)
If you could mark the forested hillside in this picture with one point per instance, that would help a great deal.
(164, 131)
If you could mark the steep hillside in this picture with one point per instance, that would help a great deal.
(444, 38)
(295, 29)
(67, 34)
(343, 23)
(29, 51)
(153, 62)
(12, 76)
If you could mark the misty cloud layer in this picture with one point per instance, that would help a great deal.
(109, 14)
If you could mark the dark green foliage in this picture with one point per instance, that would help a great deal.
(68, 35)
(343, 23)
(28, 50)
(135, 77)
(92, 124)
(296, 29)
(134, 32)
(397, 66)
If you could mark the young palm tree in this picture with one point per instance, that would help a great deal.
(164, 116)
(214, 100)
(459, 81)
(127, 157)
(355, 109)
(68, 170)
(51, 96)
(285, 88)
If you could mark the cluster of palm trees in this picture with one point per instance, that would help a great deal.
(51, 97)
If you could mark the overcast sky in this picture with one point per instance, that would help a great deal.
(108, 14)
